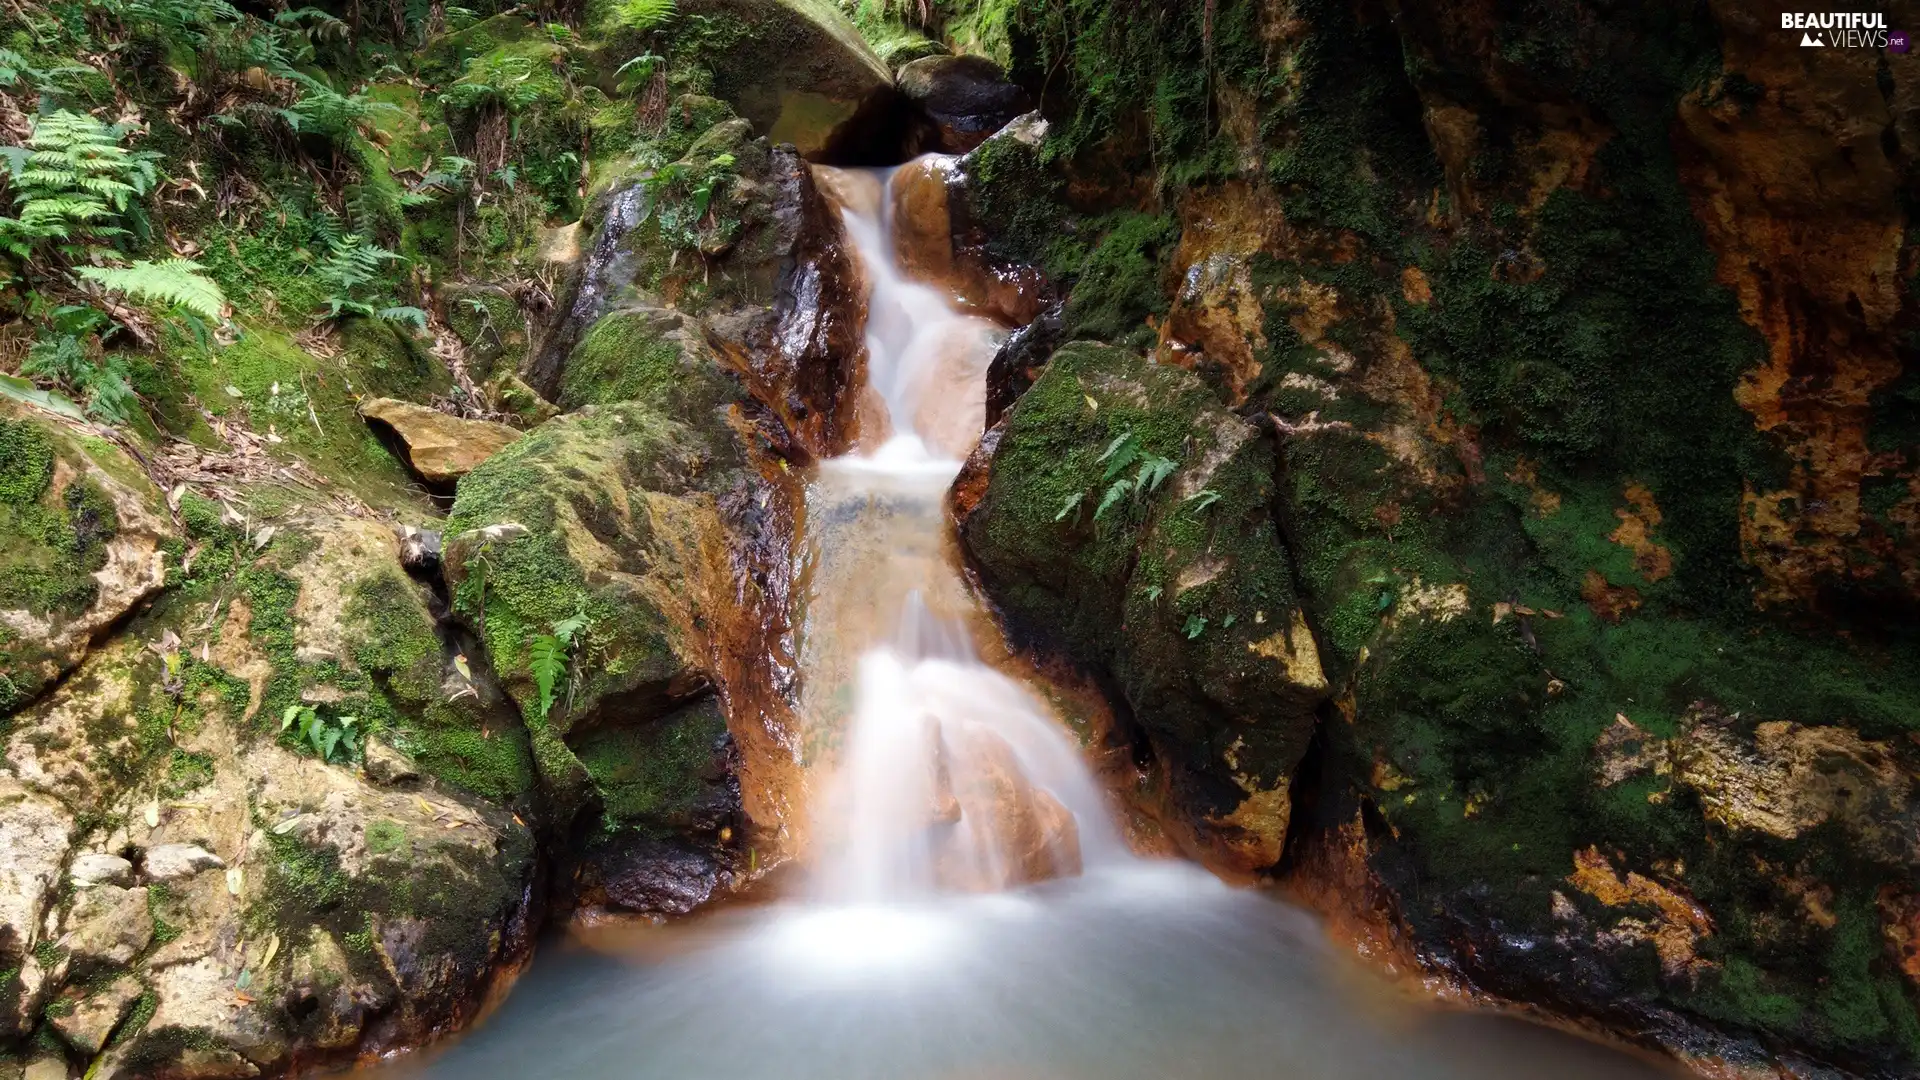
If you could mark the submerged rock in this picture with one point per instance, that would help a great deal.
(1001, 831)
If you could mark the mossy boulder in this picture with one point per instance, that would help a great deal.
(1125, 520)
(742, 238)
(82, 532)
(669, 799)
(614, 514)
(800, 71)
(652, 355)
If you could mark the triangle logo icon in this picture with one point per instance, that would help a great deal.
(1808, 40)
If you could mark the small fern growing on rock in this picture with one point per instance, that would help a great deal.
(549, 656)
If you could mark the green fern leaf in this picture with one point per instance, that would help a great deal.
(166, 281)
(547, 661)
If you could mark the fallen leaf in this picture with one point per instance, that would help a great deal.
(262, 538)
(1500, 611)
(153, 815)
(236, 878)
(234, 391)
(1091, 404)
(174, 496)
(273, 950)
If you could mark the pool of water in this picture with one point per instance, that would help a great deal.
(1148, 970)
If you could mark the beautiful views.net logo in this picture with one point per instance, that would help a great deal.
(1840, 29)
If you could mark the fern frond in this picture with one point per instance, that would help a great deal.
(404, 316)
(645, 15)
(166, 281)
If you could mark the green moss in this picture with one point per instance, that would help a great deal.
(1120, 286)
(385, 837)
(51, 541)
(1176, 597)
(267, 381)
(647, 356)
(654, 776)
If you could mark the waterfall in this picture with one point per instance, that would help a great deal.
(949, 776)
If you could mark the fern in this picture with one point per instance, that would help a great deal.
(548, 657)
(644, 15)
(75, 186)
(69, 361)
(547, 660)
(330, 737)
(177, 282)
(402, 315)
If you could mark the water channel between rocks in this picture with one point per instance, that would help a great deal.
(970, 909)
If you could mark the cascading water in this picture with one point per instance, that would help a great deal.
(950, 775)
(971, 912)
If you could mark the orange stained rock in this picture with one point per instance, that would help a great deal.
(1635, 533)
(1682, 922)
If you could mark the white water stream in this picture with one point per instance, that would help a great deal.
(971, 913)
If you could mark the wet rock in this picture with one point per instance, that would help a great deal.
(802, 74)
(419, 548)
(81, 532)
(655, 527)
(440, 447)
(93, 1017)
(171, 862)
(1216, 324)
(961, 100)
(1812, 143)
(95, 868)
(932, 246)
(107, 927)
(653, 877)
(774, 290)
(1005, 832)
(1019, 360)
(1787, 779)
(1184, 598)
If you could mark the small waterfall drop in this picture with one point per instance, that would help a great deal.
(949, 776)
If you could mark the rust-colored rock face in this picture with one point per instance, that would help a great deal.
(1798, 184)
(923, 208)
(993, 828)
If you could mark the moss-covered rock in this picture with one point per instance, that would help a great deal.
(741, 237)
(1125, 520)
(800, 71)
(653, 356)
(81, 536)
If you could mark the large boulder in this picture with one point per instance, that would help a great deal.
(766, 270)
(81, 537)
(801, 72)
(959, 101)
(241, 896)
(645, 541)
(1124, 519)
(439, 446)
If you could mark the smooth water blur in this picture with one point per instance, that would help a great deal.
(911, 956)
(1147, 971)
